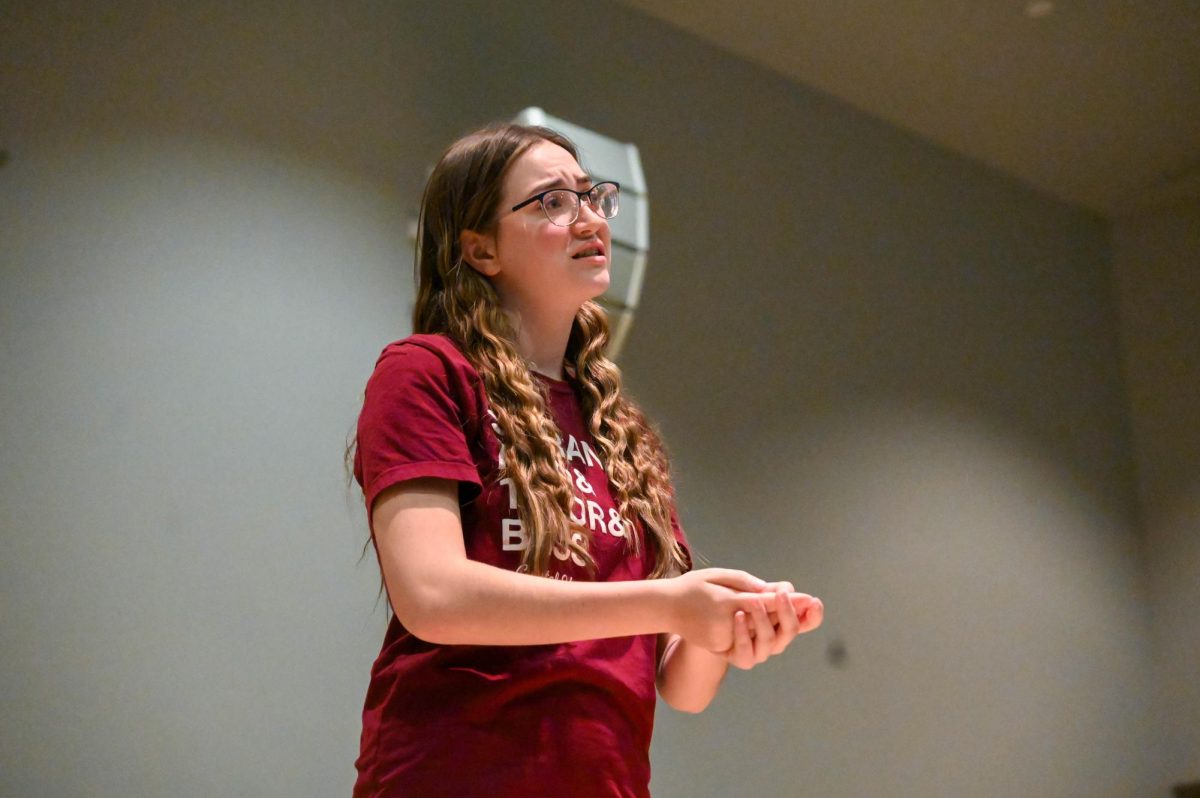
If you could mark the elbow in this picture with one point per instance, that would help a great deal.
(423, 627)
(432, 627)
(426, 617)
(691, 704)
(690, 707)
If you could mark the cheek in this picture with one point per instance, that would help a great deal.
(529, 243)
(556, 241)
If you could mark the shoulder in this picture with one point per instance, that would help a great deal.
(423, 372)
(428, 354)
(425, 347)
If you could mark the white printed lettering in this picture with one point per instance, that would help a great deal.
(562, 552)
(512, 494)
(582, 484)
(592, 459)
(616, 525)
(572, 451)
(595, 516)
(513, 537)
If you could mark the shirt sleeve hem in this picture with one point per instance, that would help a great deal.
(460, 472)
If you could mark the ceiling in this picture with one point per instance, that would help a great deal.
(1096, 102)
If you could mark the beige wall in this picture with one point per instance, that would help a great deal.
(1156, 258)
(885, 372)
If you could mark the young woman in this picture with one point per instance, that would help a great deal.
(522, 510)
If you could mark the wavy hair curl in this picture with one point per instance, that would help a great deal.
(463, 193)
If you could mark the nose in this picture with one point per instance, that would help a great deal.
(589, 218)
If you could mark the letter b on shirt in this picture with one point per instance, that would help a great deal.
(512, 535)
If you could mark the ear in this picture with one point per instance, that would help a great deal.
(479, 250)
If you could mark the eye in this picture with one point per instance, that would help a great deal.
(554, 201)
(604, 198)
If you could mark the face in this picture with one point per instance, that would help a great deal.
(529, 259)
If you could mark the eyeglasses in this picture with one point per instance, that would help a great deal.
(561, 205)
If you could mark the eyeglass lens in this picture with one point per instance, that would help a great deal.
(562, 207)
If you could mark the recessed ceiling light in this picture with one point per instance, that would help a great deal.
(1038, 9)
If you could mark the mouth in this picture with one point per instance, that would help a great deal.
(592, 253)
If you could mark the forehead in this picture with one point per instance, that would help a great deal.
(543, 165)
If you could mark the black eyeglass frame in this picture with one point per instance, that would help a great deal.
(579, 194)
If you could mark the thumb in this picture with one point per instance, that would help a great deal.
(734, 579)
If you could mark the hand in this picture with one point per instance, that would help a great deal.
(703, 604)
(772, 624)
(801, 603)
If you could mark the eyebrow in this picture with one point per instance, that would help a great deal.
(557, 182)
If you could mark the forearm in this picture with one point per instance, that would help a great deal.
(476, 603)
(689, 676)
(443, 596)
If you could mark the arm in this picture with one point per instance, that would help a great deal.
(688, 676)
(443, 597)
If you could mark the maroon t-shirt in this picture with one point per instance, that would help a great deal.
(570, 719)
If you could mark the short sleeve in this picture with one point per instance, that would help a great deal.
(415, 422)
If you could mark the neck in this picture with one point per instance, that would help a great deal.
(542, 335)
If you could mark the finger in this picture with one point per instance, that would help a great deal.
(801, 603)
(789, 623)
(736, 655)
(813, 616)
(811, 613)
(746, 603)
(800, 600)
(764, 632)
(742, 653)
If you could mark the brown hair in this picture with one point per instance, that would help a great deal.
(453, 299)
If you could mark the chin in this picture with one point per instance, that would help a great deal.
(597, 294)
(588, 286)
(602, 280)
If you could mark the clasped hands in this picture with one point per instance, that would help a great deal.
(742, 618)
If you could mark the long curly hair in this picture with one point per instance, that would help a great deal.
(463, 193)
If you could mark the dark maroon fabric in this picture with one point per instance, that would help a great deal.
(570, 719)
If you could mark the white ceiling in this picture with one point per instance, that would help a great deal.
(1096, 102)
